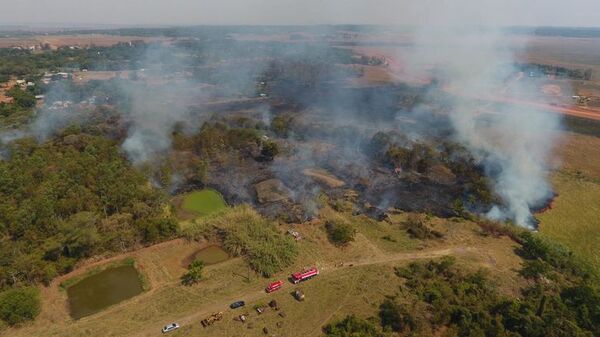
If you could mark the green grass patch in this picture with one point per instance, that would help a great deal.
(204, 202)
(574, 220)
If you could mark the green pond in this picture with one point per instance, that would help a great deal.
(204, 202)
(102, 290)
(210, 255)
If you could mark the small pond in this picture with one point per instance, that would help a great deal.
(102, 290)
(210, 255)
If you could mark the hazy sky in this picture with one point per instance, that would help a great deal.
(197, 12)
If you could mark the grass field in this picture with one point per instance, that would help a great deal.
(574, 219)
(204, 202)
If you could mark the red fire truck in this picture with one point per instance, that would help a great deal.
(305, 275)
(274, 286)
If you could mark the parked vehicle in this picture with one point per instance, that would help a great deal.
(212, 319)
(305, 275)
(274, 286)
(299, 295)
(170, 327)
(237, 304)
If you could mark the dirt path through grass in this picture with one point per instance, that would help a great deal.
(261, 294)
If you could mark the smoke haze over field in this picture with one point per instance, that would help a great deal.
(449, 44)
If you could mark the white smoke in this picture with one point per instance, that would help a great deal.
(476, 63)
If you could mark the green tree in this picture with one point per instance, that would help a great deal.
(23, 99)
(194, 274)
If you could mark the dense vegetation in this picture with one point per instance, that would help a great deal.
(27, 63)
(243, 232)
(19, 305)
(561, 300)
(441, 298)
(69, 199)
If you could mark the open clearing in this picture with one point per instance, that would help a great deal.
(340, 289)
(204, 202)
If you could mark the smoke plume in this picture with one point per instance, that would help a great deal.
(475, 63)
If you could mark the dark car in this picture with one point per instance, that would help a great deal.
(237, 304)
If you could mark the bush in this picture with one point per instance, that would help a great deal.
(19, 305)
(269, 150)
(194, 274)
(340, 232)
(416, 228)
(352, 326)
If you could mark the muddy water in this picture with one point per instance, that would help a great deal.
(210, 255)
(104, 289)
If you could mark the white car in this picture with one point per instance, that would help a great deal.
(170, 327)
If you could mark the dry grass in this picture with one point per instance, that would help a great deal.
(580, 155)
(323, 177)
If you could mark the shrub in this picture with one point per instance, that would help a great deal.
(468, 304)
(352, 326)
(19, 305)
(340, 232)
(194, 274)
(416, 228)
(269, 150)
